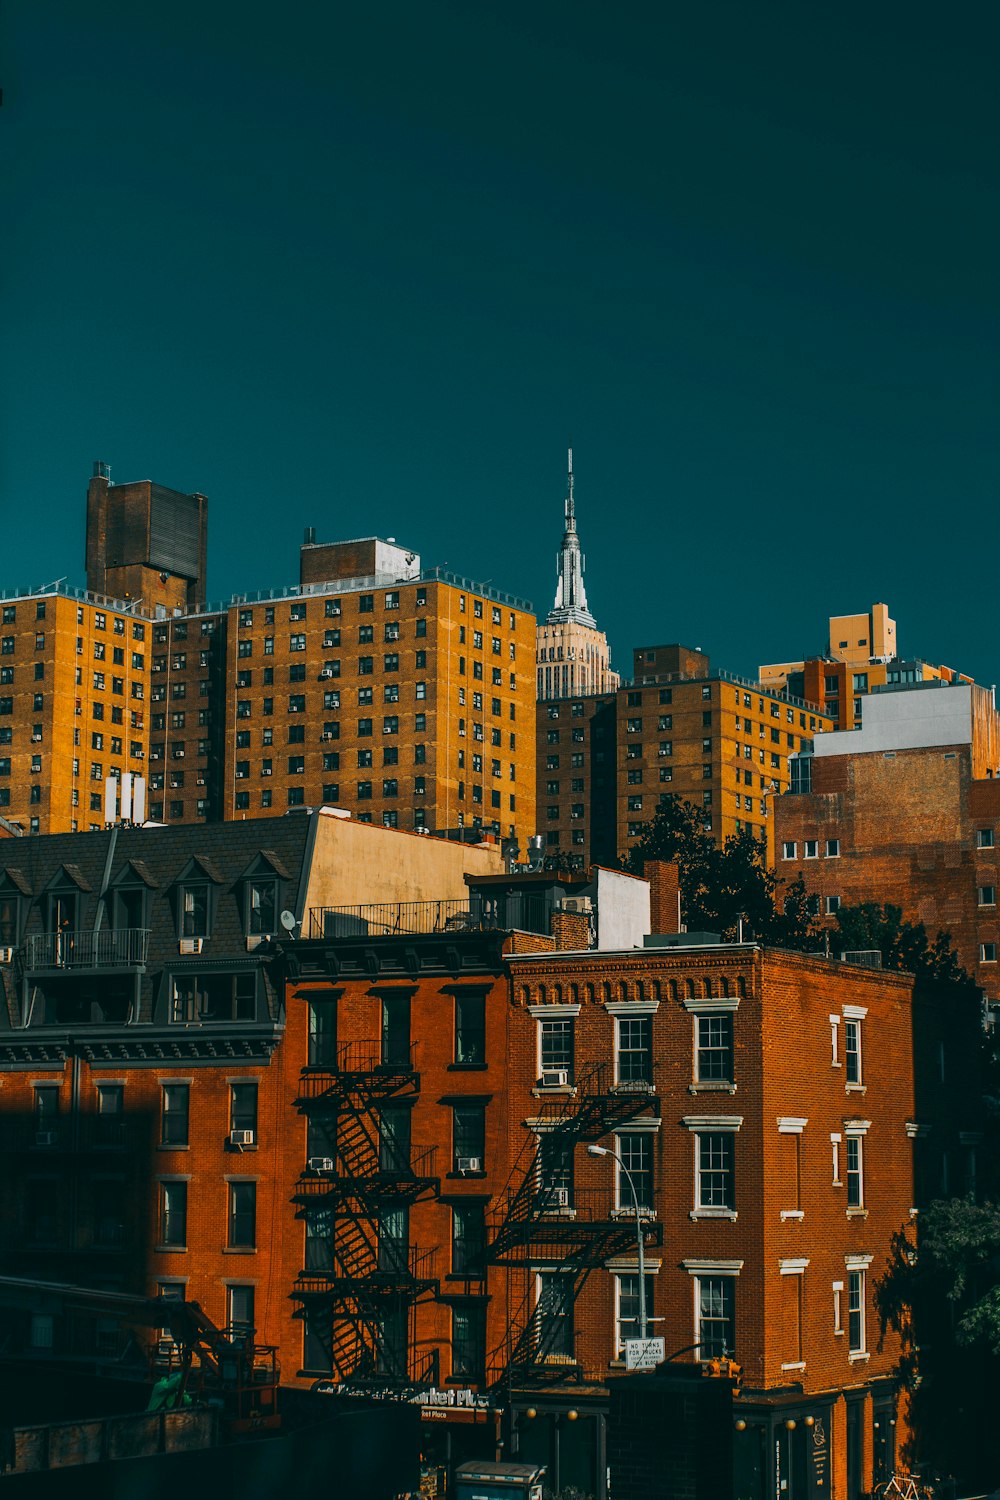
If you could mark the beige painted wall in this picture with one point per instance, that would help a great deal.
(357, 863)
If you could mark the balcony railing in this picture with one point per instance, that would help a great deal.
(513, 910)
(108, 948)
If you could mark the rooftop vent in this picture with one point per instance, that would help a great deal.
(865, 958)
(102, 471)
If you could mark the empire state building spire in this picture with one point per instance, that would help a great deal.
(571, 596)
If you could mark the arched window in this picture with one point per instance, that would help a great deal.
(741, 988)
(574, 994)
(708, 989)
(725, 985)
(541, 994)
(557, 993)
(640, 990)
(588, 991)
(606, 991)
(622, 990)
(690, 988)
(673, 990)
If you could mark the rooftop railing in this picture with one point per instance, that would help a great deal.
(512, 911)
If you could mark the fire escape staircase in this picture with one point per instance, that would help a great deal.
(534, 1222)
(356, 1273)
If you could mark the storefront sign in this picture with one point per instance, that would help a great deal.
(461, 1401)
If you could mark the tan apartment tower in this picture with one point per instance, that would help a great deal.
(573, 656)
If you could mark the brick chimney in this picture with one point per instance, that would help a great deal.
(664, 878)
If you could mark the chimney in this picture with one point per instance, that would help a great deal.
(309, 539)
(571, 929)
(664, 878)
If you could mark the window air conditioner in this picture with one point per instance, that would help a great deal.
(555, 1078)
(191, 945)
(45, 1137)
(577, 903)
(242, 1137)
(470, 1164)
(6, 955)
(36, 739)
(320, 1164)
(326, 735)
(558, 1197)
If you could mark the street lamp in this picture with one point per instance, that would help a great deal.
(606, 1151)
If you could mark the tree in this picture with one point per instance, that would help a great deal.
(903, 945)
(720, 884)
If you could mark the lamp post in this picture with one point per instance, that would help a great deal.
(606, 1151)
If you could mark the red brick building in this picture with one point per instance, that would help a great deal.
(766, 1107)
(905, 811)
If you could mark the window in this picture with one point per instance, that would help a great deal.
(789, 850)
(175, 1114)
(468, 1239)
(852, 1050)
(470, 1029)
(322, 1034)
(243, 1107)
(810, 849)
(242, 1216)
(832, 905)
(714, 1185)
(194, 911)
(555, 1315)
(556, 1046)
(214, 997)
(833, 848)
(173, 1214)
(296, 643)
(468, 1341)
(856, 1311)
(714, 1316)
(635, 1050)
(984, 838)
(714, 1047)
(987, 953)
(239, 1309)
(855, 1172)
(627, 1318)
(469, 1137)
(394, 1140)
(635, 1147)
(987, 895)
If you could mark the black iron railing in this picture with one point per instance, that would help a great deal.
(108, 948)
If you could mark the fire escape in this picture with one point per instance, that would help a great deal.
(363, 1280)
(542, 1220)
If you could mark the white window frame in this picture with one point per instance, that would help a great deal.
(986, 895)
(810, 849)
(987, 953)
(629, 1010)
(854, 1016)
(855, 1132)
(857, 1266)
(833, 848)
(789, 849)
(984, 838)
(700, 1270)
(617, 1274)
(700, 1125)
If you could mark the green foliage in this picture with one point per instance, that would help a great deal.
(721, 884)
(957, 1265)
(903, 945)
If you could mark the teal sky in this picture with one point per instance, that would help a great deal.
(369, 266)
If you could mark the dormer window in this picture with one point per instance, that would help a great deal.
(262, 906)
(194, 907)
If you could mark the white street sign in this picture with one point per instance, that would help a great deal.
(643, 1354)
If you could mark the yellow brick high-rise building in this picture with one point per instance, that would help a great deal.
(404, 695)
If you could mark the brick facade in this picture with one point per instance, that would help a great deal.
(911, 828)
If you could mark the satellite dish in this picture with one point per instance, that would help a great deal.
(288, 922)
